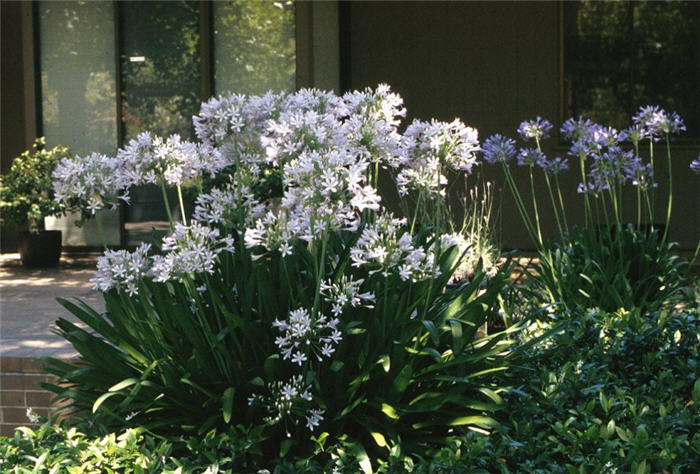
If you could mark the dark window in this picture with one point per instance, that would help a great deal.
(619, 56)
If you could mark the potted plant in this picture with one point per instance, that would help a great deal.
(27, 197)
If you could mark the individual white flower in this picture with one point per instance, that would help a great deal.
(32, 416)
(314, 418)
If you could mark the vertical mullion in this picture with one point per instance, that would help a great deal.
(303, 33)
(33, 58)
(120, 128)
(345, 44)
(206, 48)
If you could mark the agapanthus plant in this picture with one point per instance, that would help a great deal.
(608, 160)
(292, 298)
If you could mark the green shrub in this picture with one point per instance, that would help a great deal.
(609, 392)
(59, 448)
(395, 379)
(26, 192)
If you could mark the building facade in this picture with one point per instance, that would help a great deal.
(92, 75)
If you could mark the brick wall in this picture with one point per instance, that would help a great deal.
(19, 391)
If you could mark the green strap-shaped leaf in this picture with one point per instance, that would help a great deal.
(227, 403)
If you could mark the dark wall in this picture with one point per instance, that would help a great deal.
(492, 64)
(12, 140)
(13, 119)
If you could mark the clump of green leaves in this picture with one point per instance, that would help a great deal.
(26, 191)
(607, 392)
(60, 448)
(183, 358)
(622, 268)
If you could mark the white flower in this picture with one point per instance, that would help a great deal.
(288, 400)
(429, 148)
(32, 416)
(314, 418)
(384, 247)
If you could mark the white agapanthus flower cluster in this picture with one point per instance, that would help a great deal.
(429, 149)
(272, 233)
(122, 269)
(304, 334)
(233, 206)
(94, 180)
(189, 249)
(291, 400)
(327, 191)
(372, 123)
(385, 247)
(346, 292)
(234, 123)
(147, 160)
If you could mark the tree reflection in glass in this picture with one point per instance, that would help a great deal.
(254, 46)
(160, 67)
(623, 55)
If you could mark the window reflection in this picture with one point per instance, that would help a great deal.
(622, 55)
(254, 46)
(78, 82)
(160, 67)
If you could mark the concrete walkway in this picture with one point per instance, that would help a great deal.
(28, 306)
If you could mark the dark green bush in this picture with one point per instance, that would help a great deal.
(610, 392)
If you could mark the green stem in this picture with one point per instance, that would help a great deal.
(534, 205)
(415, 213)
(561, 203)
(670, 188)
(519, 203)
(653, 173)
(639, 207)
(182, 205)
(554, 204)
(586, 203)
(98, 221)
(167, 205)
(319, 273)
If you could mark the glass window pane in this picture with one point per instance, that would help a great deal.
(78, 94)
(254, 46)
(161, 67)
(623, 55)
(78, 82)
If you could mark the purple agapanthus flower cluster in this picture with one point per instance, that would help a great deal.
(537, 129)
(498, 149)
(654, 122)
(615, 166)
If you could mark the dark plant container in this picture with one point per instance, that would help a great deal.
(40, 250)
